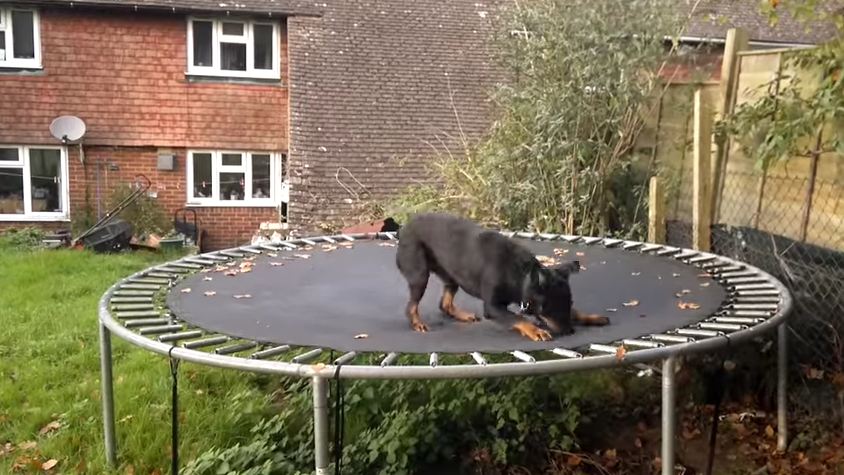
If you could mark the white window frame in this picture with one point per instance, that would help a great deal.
(218, 37)
(6, 25)
(278, 183)
(64, 188)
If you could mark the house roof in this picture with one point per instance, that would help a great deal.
(270, 7)
(377, 88)
(713, 18)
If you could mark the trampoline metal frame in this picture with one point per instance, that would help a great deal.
(128, 311)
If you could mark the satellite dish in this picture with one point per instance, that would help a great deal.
(67, 128)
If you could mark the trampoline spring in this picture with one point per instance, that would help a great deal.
(236, 348)
(671, 338)
(309, 242)
(702, 259)
(774, 299)
(761, 292)
(749, 313)
(233, 255)
(686, 255)
(346, 237)
(434, 360)
(250, 249)
(727, 327)
(630, 245)
(603, 348)
(391, 236)
(307, 356)
(669, 252)
(566, 353)
(549, 236)
(173, 270)
(346, 358)
(479, 359)
(180, 336)
(120, 300)
(760, 286)
(770, 307)
(213, 257)
(202, 262)
(270, 352)
(149, 280)
(389, 359)
(735, 274)
(521, 355)
(612, 242)
(650, 247)
(131, 306)
(746, 280)
(592, 240)
(730, 268)
(214, 340)
(147, 287)
(144, 322)
(329, 239)
(138, 314)
(698, 332)
(716, 265)
(642, 343)
(288, 245)
(571, 239)
(738, 320)
(135, 293)
(185, 265)
(526, 235)
(160, 329)
(267, 247)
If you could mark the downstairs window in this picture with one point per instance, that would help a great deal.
(33, 183)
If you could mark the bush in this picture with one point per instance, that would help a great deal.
(22, 239)
(395, 427)
(145, 214)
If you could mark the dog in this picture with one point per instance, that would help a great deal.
(491, 267)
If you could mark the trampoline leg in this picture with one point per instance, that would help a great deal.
(108, 396)
(320, 388)
(782, 382)
(669, 422)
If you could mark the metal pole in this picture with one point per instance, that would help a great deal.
(782, 386)
(669, 422)
(320, 388)
(107, 395)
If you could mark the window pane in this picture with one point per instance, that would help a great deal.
(261, 176)
(2, 45)
(233, 29)
(233, 56)
(23, 34)
(11, 191)
(232, 159)
(202, 43)
(231, 186)
(263, 47)
(45, 178)
(202, 185)
(8, 155)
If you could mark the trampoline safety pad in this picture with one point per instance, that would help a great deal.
(352, 298)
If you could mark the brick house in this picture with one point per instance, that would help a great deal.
(274, 110)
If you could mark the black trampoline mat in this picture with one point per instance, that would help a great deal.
(329, 298)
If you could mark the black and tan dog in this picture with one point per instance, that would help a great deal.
(489, 266)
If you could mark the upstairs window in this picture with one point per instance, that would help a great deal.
(20, 44)
(233, 48)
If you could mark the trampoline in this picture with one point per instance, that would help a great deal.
(283, 308)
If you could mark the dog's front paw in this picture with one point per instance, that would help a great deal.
(419, 326)
(532, 331)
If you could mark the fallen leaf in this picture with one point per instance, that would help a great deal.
(210, 293)
(687, 306)
(838, 380)
(245, 270)
(769, 431)
(582, 268)
(208, 279)
(674, 274)
(272, 254)
(308, 248)
(573, 460)
(276, 264)
(579, 254)
(329, 247)
(303, 256)
(612, 310)
(7, 448)
(704, 275)
(243, 296)
(51, 427)
(346, 244)
(635, 273)
(638, 443)
(813, 373)
(631, 303)
(704, 284)
(560, 251)
(231, 273)
(620, 353)
(361, 336)
(28, 445)
(49, 464)
(186, 291)
(130, 470)
(386, 244)
(611, 454)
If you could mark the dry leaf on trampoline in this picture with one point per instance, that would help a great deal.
(303, 256)
(704, 284)
(635, 273)
(386, 244)
(243, 296)
(207, 279)
(631, 303)
(328, 248)
(675, 275)
(245, 270)
(276, 264)
(560, 251)
(272, 254)
(579, 254)
(210, 293)
(49, 464)
(186, 291)
(308, 248)
(620, 353)
(361, 336)
(612, 310)
(688, 306)
(231, 272)
(51, 427)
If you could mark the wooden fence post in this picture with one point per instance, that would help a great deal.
(656, 212)
(737, 40)
(702, 200)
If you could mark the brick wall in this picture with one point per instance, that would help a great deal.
(124, 75)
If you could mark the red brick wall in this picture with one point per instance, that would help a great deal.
(124, 75)
(226, 226)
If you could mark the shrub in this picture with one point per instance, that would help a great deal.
(22, 239)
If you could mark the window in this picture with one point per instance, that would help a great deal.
(232, 178)
(32, 183)
(233, 48)
(20, 44)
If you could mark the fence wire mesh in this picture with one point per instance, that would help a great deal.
(793, 229)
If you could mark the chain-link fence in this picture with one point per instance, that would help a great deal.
(794, 230)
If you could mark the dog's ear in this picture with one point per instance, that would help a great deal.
(567, 268)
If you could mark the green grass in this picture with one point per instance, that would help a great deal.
(49, 371)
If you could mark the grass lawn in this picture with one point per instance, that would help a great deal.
(50, 376)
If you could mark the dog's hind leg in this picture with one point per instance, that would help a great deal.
(413, 265)
(449, 308)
